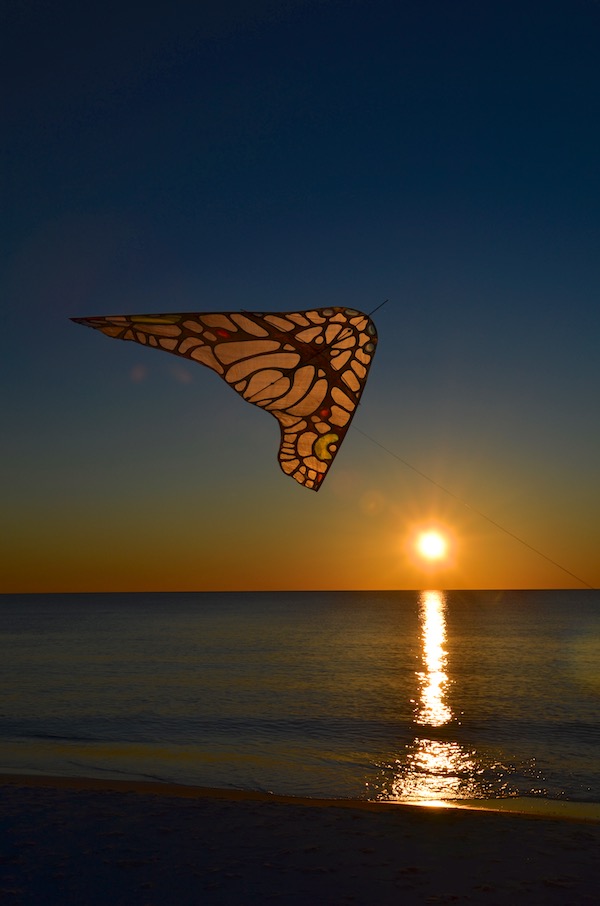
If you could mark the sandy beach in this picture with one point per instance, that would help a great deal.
(75, 841)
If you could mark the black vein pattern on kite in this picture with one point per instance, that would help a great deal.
(307, 368)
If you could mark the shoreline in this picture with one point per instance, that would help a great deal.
(143, 843)
(517, 806)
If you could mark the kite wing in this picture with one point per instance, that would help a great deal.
(307, 368)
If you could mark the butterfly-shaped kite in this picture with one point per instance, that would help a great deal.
(307, 368)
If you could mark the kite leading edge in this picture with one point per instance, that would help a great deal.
(307, 368)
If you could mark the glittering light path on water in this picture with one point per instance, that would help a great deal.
(434, 771)
(433, 711)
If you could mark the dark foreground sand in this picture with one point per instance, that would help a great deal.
(95, 842)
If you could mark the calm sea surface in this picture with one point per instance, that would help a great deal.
(418, 696)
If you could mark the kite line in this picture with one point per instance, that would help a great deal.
(468, 506)
(377, 307)
(475, 510)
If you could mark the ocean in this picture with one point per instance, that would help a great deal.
(426, 697)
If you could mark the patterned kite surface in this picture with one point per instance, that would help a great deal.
(307, 368)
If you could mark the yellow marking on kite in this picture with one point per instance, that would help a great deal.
(321, 445)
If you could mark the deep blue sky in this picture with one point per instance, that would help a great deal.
(282, 156)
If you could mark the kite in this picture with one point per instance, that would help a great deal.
(307, 368)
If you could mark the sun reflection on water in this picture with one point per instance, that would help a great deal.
(433, 711)
(433, 771)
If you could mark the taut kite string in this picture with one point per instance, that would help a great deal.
(476, 511)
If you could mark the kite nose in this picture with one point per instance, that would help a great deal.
(87, 322)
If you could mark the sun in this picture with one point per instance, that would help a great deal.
(431, 545)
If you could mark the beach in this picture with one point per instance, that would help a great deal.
(79, 841)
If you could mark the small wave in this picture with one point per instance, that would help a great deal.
(135, 775)
(56, 737)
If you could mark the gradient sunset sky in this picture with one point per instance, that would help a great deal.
(278, 156)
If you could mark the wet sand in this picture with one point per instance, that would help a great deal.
(78, 841)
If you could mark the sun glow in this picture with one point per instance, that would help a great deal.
(430, 548)
(432, 545)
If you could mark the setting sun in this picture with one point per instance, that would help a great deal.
(430, 548)
(432, 545)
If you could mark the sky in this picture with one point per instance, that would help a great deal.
(281, 156)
